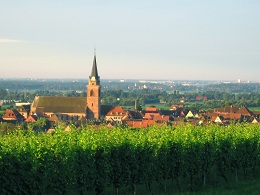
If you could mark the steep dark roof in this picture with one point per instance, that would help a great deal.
(24, 108)
(94, 72)
(61, 104)
(105, 109)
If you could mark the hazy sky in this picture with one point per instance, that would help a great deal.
(138, 39)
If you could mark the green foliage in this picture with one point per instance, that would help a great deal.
(92, 160)
(42, 124)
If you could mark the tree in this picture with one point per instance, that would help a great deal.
(42, 124)
(139, 108)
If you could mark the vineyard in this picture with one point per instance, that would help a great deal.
(93, 160)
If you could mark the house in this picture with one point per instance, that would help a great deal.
(13, 116)
(161, 118)
(177, 107)
(189, 115)
(132, 115)
(24, 110)
(31, 119)
(140, 123)
(152, 110)
(150, 115)
(245, 111)
(170, 113)
(255, 121)
(198, 98)
(217, 119)
(183, 99)
(230, 113)
(197, 116)
(115, 115)
(227, 109)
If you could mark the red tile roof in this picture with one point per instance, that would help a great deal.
(31, 119)
(54, 118)
(140, 123)
(244, 111)
(161, 118)
(12, 115)
(151, 109)
(117, 111)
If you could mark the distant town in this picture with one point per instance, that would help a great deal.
(131, 103)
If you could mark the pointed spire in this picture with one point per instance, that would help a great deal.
(94, 72)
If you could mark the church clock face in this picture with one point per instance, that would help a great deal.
(93, 79)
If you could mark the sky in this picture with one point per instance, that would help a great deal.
(137, 39)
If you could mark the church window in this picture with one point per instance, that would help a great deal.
(91, 93)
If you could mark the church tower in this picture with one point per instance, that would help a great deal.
(93, 94)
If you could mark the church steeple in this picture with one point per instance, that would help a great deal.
(93, 94)
(94, 73)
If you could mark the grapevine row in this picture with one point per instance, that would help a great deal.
(92, 160)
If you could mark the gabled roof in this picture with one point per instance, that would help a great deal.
(150, 115)
(60, 104)
(132, 115)
(244, 111)
(255, 121)
(217, 119)
(189, 115)
(116, 111)
(31, 119)
(135, 114)
(12, 115)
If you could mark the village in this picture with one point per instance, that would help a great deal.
(88, 110)
(118, 116)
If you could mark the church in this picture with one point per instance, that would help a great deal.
(72, 108)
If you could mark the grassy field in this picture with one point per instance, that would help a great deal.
(254, 109)
(158, 106)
